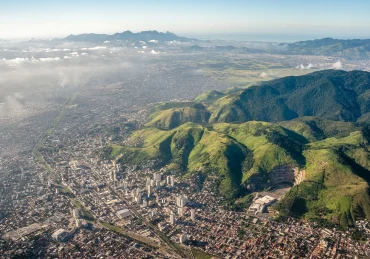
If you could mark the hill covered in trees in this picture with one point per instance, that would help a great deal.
(352, 49)
(314, 126)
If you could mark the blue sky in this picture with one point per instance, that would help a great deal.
(258, 18)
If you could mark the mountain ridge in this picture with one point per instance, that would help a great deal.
(128, 35)
(349, 48)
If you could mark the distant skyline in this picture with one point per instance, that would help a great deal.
(233, 19)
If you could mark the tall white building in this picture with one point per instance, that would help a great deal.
(149, 187)
(192, 214)
(138, 198)
(183, 238)
(138, 191)
(180, 212)
(157, 177)
(181, 201)
(172, 180)
(172, 218)
(75, 213)
(168, 179)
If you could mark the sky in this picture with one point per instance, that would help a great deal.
(279, 19)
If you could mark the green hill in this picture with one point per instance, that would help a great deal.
(190, 148)
(329, 94)
(174, 117)
(314, 128)
(209, 97)
(244, 156)
(311, 128)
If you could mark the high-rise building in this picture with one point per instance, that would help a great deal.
(180, 212)
(149, 188)
(75, 213)
(157, 177)
(172, 218)
(172, 180)
(138, 198)
(181, 201)
(192, 214)
(154, 212)
(78, 223)
(183, 238)
(113, 176)
(145, 203)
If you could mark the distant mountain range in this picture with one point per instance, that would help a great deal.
(128, 35)
(309, 131)
(352, 49)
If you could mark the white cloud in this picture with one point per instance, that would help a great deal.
(303, 67)
(94, 48)
(338, 65)
(19, 61)
(98, 47)
(15, 61)
(74, 54)
(145, 47)
(153, 41)
(263, 75)
(67, 57)
(49, 59)
(84, 54)
(154, 52)
(173, 42)
(107, 41)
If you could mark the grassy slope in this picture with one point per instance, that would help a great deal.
(334, 156)
(167, 116)
(271, 145)
(336, 186)
(209, 97)
(315, 129)
(191, 148)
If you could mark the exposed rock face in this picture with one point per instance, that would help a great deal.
(280, 175)
(286, 174)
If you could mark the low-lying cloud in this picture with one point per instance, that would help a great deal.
(338, 65)
(303, 67)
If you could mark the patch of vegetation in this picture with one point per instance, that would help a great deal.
(199, 254)
(174, 117)
(209, 97)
